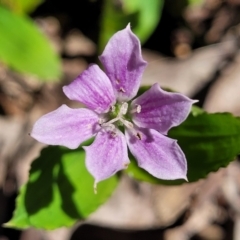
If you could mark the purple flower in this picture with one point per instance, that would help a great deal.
(115, 120)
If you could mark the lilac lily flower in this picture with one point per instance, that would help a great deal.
(115, 120)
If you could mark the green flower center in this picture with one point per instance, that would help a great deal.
(119, 116)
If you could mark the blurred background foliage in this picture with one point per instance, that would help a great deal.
(21, 7)
(28, 51)
(171, 28)
(24, 48)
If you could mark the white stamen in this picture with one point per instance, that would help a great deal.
(111, 121)
(137, 109)
(100, 121)
(123, 109)
(114, 133)
(139, 136)
(126, 123)
(122, 90)
(109, 127)
(112, 108)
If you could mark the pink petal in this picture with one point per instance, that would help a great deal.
(159, 155)
(93, 89)
(123, 63)
(65, 126)
(107, 155)
(161, 110)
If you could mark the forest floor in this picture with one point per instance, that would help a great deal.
(199, 56)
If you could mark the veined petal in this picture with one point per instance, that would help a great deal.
(123, 63)
(92, 88)
(65, 126)
(107, 154)
(161, 110)
(159, 155)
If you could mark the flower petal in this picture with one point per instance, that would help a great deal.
(107, 154)
(93, 89)
(161, 110)
(159, 155)
(66, 126)
(123, 63)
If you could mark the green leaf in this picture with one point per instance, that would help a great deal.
(209, 141)
(143, 16)
(21, 6)
(27, 6)
(148, 15)
(24, 48)
(195, 2)
(59, 191)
